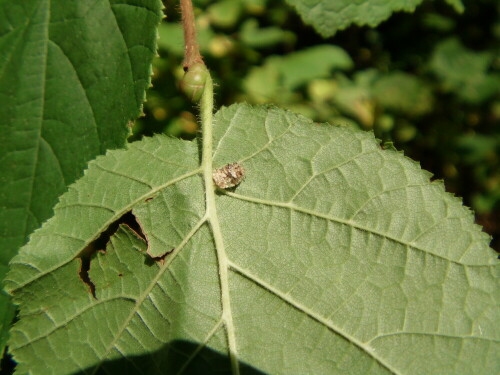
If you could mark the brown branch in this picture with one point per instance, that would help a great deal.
(191, 51)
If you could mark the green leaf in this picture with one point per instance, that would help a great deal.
(331, 256)
(402, 92)
(329, 16)
(316, 62)
(281, 75)
(7, 313)
(67, 94)
(465, 72)
(355, 97)
(225, 13)
(458, 5)
(255, 37)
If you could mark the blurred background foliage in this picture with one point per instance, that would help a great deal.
(429, 82)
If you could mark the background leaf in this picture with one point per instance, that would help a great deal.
(332, 256)
(329, 16)
(465, 71)
(457, 5)
(72, 74)
(280, 75)
(402, 92)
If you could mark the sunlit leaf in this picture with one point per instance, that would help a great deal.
(279, 76)
(332, 256)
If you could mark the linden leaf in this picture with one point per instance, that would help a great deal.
(72, 75)
(331, 256)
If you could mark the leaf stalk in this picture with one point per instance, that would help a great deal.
(191, 49)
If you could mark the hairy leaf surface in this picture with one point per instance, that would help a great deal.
(329, 16)
(332, 256)
(72, 74)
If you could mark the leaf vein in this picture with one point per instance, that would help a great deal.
(201, 346)
(110, 171)
(135, 147)
(89, 103)
(147, 291)
(326, 171)
(138, 100)
(341, 221)
(69, 320)
(117, 215)
(321, 320)
(42, 114)
(271, 141)
(432, 334)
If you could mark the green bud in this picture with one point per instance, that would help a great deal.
(193, 82)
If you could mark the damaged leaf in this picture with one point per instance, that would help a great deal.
(331, 256)
(72, 75)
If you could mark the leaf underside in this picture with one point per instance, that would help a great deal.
(329, 16)
(339, 257)
(72, 74)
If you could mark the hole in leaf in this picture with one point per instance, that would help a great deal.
(7, 363)
(84, 274)
(100, 243)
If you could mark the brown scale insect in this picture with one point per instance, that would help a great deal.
(228, 176)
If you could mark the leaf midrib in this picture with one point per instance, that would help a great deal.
(207, 106)
(42, 114)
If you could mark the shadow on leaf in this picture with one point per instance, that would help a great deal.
(174, 358)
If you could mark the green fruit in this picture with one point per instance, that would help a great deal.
(193, 82)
